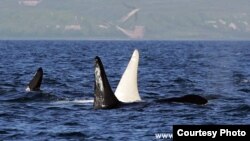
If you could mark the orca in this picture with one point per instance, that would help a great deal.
(127, 89)
(192, 99)
(35, 83)
(104, 97)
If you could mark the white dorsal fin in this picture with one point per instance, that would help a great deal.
(127, 89)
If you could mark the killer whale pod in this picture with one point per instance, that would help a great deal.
(127, 90)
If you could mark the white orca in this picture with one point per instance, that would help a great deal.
(127, 89)
(35, 83)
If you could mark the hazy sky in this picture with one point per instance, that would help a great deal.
(125, 19)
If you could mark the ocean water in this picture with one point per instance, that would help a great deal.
(63, 110)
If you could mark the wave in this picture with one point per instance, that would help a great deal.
(242, 109)
(71, 135)
(35, 97)
(244, 90)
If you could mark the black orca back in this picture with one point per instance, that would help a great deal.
(194, 99)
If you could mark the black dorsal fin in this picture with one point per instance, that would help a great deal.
(104, 97)
(36, 81)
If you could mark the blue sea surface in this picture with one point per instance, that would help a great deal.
(63, 110)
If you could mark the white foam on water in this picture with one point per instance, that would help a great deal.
(75, 101)
(83, 101)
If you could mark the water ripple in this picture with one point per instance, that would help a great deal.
(63, 109)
